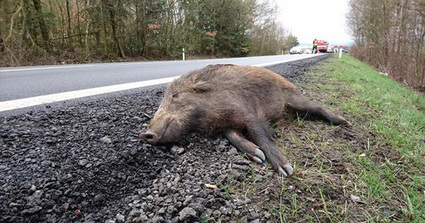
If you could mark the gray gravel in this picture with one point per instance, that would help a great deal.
(85, 164)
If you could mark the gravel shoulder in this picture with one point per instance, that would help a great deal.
(84, 163)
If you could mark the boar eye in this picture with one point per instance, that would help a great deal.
(175, 95)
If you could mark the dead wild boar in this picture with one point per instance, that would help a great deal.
(239, 101)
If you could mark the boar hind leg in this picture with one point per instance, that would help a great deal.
(261, 136)
(299, 103)
(246, 146)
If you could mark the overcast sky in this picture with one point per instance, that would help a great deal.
(321, 19)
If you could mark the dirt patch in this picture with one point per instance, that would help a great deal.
(86, 164)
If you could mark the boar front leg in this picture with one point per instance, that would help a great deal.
(246, 146)
(260, 135)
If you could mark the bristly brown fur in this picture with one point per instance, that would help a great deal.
(239, 100)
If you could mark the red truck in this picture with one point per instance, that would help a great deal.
(322, 46)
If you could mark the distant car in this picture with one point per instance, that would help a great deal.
(330, 50)
(307, 50)
(342, 49)
(296, 50)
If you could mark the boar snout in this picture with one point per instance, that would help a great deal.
(149, 137)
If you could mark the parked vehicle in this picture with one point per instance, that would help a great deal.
(296, 50)
(322, 46)
(307, 50)
(300, 49)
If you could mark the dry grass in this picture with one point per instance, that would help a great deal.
(371, 171)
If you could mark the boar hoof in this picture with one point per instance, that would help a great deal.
(343, 121)
(260, 154)
(287, 170)
(282, 172)
(255, 158)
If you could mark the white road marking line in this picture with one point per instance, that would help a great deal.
(44, 68)
(278, 62)
(51, 98)
(46, 99)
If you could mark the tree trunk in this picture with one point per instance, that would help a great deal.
(105, 34)
(1, 42)
(140, 28)
(68, 13)
(86, 39)
(112, 17)
(42, 24)
(80, 39)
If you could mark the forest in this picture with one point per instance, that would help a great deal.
(77, 31)
(390, 36)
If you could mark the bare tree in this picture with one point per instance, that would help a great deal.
(50, 31)
(390, 35)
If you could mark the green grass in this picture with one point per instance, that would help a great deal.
(397, 115)
(379, 160)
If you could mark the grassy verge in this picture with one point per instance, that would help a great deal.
(372, 171)
(384, 150)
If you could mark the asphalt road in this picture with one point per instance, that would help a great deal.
(22, 87)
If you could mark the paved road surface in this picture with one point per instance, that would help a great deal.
(22, 87)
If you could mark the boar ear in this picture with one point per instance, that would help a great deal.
(201, 87)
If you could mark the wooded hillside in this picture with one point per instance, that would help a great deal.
(390, 35)
(55, 31)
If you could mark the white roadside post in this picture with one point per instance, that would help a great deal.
(340, 52)
(184, 57)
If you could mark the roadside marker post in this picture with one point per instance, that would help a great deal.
(184, 56)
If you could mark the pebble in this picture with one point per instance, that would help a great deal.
(106, 140)
(225, 210)
(253, 215)
(134, 212)
(187, 213)
(33, 188)
(99, 198)
(198, 207)
(83, 162)
(32, 210)
(161, 211)
(206, 214)
(177, 150)
(120, 217)
(12, 204)
(216, 213)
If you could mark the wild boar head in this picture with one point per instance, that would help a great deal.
(181, 111)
